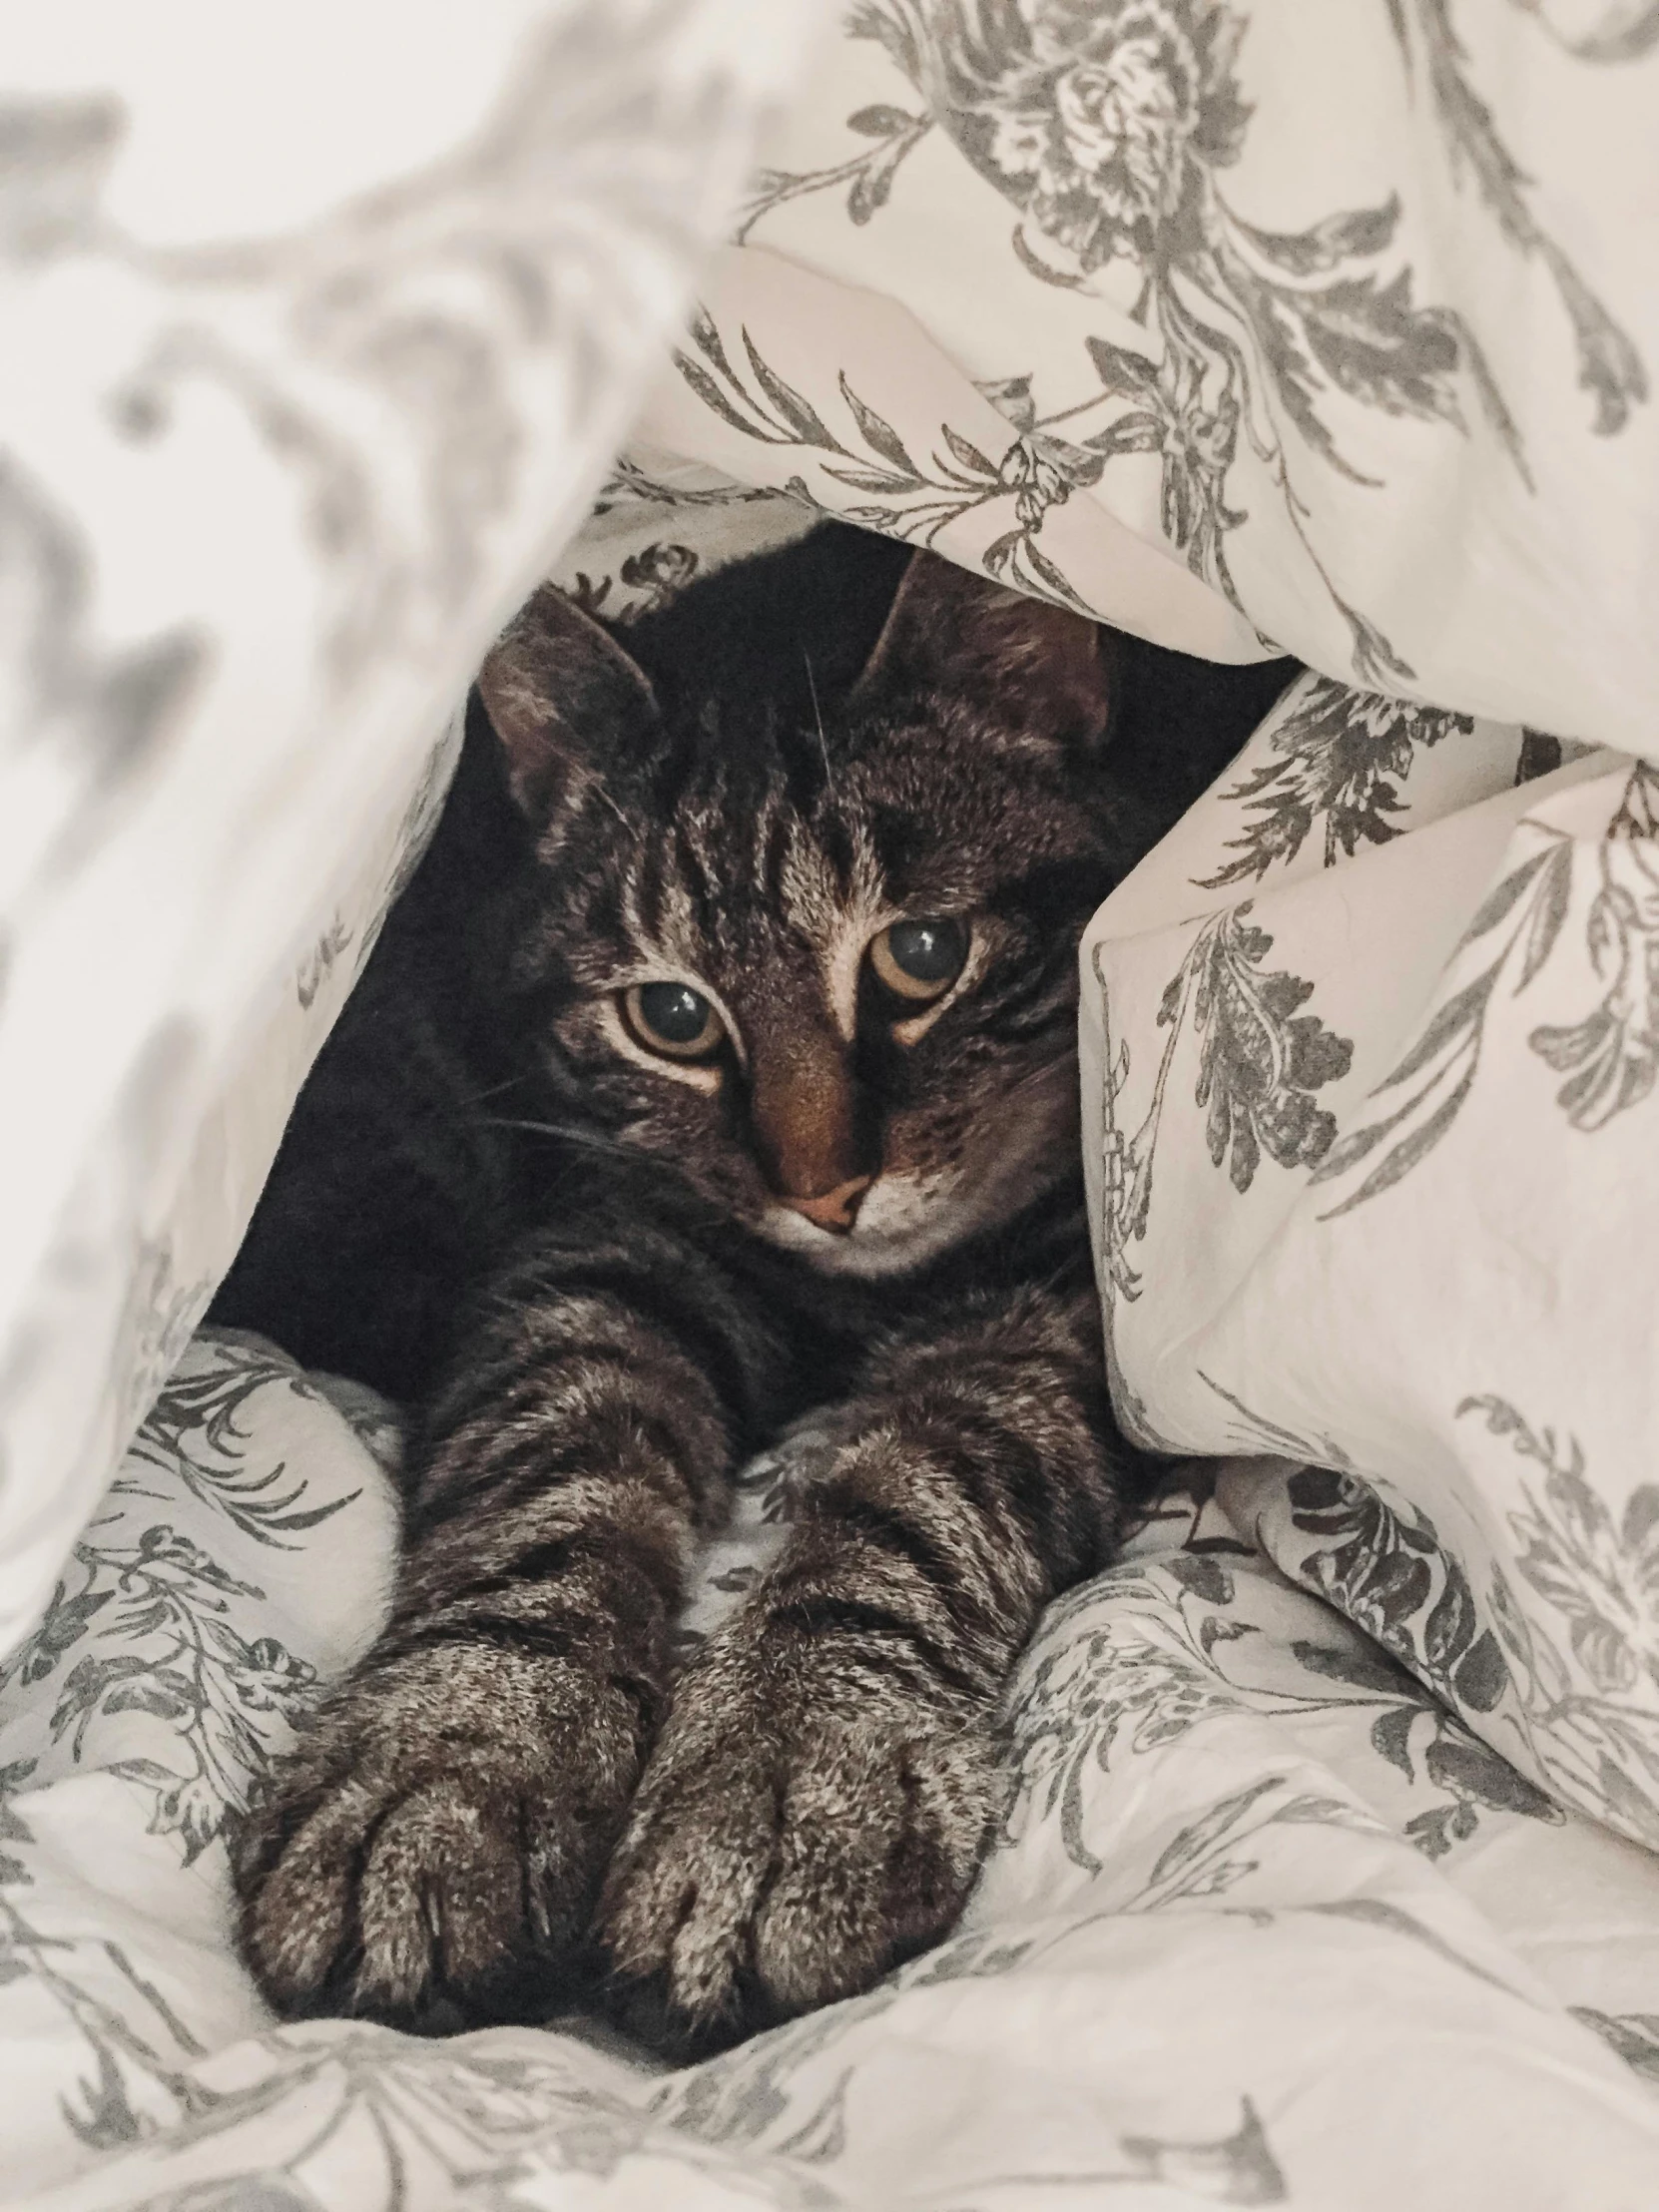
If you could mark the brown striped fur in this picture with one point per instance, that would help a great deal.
(510, 1791)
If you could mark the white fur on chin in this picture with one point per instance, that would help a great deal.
(904, 1221)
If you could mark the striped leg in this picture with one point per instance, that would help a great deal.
(823, 1788)
(432, 1850)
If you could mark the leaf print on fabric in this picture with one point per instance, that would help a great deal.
(157, 1614)
(868, 174)
(1583, 1711)
(1609, 368)
(148, 1635)
(654, 574)
(1106, 1690)
(198, 1433)
(502, 2122)
(1598, 30)
(1337, 759)
(1260, 1059)
(482, 2120)
(1522, 917)
(1591, 1710)
(1110, 127)
(139, 2050)
(632, 484)
(159, 1314)
(1154, 1649)
(1252, 1432)
(1634, 2035)
(762, 2095)
(1194, 428)
(1043, 469)
(1386, 1570)
(318, 964)
(907, 498)
(1601, 1575)
(1470, 1776)
(1611, 1057)
(106, 710)
(1446, 1756)
(1261, 1062)
(92, 716)
(1204, 1859)
(1238, 2168)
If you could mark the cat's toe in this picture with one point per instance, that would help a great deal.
(879, 1846)
(427, 1902)
(751, 1886)
(681, 1897)
(292, 1862)
(471, 1897)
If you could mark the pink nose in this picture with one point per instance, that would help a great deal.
(835, 1209)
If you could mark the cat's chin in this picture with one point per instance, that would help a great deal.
(856, 1253)
(890, 1238)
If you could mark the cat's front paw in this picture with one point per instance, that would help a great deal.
(787, 1848)
(430, 1855)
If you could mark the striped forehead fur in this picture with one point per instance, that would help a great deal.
(685, 883)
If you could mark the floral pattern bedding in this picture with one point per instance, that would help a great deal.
(1267, 1922)
(1329, 1874)
(1230, 319)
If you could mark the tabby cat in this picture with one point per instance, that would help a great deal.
(719, 1064)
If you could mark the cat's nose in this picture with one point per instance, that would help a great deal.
(834, 1209)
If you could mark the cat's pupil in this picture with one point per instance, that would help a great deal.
(675, 1012)
(930, 951)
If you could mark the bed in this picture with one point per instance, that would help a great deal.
(1328, 1873)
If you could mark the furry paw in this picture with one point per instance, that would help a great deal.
(786, 1850)
(430, 1855)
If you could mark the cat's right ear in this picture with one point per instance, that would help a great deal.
(561, 694)
(1037, 670)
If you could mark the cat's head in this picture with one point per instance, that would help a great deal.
(818, 952)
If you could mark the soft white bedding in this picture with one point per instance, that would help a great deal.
(323, 324)
(1332, 324)
(1266, 1924)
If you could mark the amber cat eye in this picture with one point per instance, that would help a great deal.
(919, 960)
(673, 1020)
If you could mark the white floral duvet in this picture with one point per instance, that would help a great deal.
(1267, 1922)
(1330, 1877)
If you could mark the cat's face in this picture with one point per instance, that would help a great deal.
(821, 964)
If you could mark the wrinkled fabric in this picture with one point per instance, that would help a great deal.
(1265, 1924)
(322, 330)
(1327, 1876)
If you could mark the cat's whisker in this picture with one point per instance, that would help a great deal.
(1044, 1073)
(568, 1132)
(495, 1090)
(599, 792)
(595, 1140)
(818, 717)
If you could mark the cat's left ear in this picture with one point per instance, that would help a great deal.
(562, 694)
(1037, 670)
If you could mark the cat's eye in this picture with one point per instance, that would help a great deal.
(919, 960)
(672, 1019)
